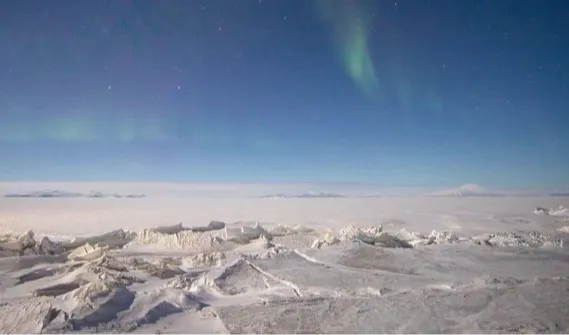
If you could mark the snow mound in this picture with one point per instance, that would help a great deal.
(148, 308)
(119, 300)
(239, 277)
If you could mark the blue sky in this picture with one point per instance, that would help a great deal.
(397, 93)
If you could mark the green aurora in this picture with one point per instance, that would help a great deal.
(350, 30)
(84, 128)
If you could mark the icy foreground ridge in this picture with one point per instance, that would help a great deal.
(102, 284)
(176, 237)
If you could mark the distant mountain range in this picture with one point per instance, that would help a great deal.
(65, 194)
(304, 195)
(467, 190)
(473, 190)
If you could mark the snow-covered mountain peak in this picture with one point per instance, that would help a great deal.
(465, 190)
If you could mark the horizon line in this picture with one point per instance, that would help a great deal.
(275, 182)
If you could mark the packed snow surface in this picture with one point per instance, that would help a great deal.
(438, 265)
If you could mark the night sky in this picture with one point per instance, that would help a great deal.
(407, 92)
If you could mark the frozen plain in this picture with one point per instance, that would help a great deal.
(308, 265)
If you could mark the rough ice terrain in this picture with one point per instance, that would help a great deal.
(404, 265)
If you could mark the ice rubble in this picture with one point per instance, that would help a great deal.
(564, 229)
(505, 239)
(244, 234)
(559, 211)
(541, 211)
(178, 237)
(216, 235)
(376, 236)
(405, 239)
(89, 248)
(372, 235)
(12, 244)
(86, 252)
(184, 240)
